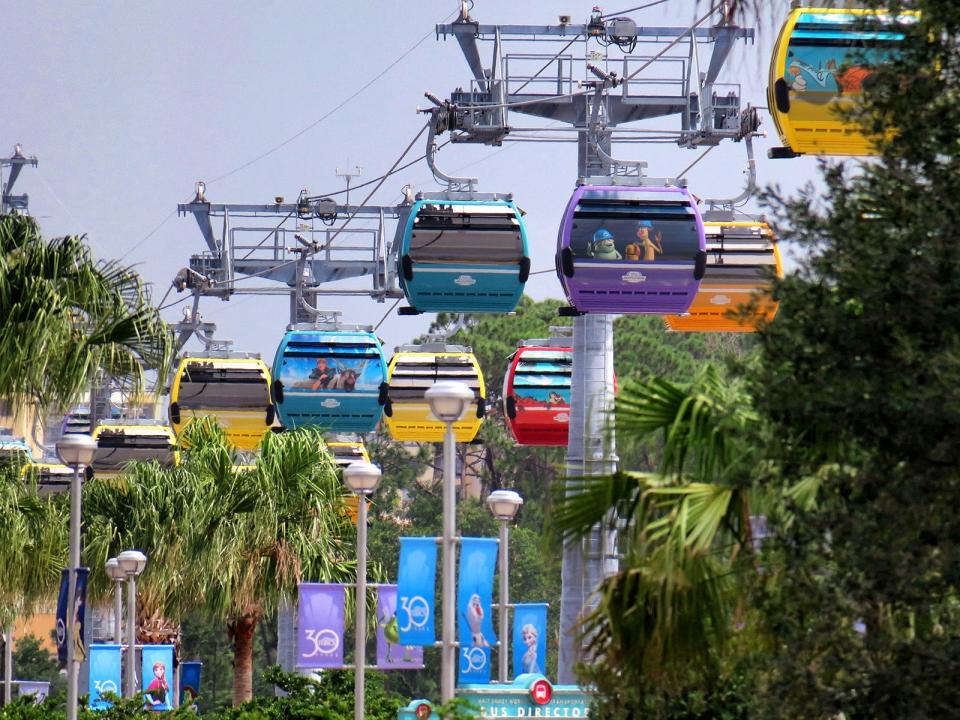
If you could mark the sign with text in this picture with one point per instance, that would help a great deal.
(391, 653)
(320, 626)
(104, 674)
(478, 561)
(416, 589)
(529, 696)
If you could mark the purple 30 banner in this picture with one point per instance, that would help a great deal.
(391, 655)
(320, 626)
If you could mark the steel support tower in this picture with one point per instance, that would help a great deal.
(664, 78)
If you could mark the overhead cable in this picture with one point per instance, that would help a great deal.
(676, 40)
(323, 117)
(633, 9)
(345, 222)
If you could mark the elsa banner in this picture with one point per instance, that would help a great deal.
(416, 586)
(157, 677)
(104, 674)
(391, 653)
(320, 626)
(478, 560)
(530, 638)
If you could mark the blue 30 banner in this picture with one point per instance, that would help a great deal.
(104, 674)
(478, 560)
(415, 590)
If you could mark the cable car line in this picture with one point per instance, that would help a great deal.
(633, 9)
(676, 40)
(340, 229)
(331, 112)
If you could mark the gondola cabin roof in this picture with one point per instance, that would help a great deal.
(633, 250)
(50, 477)
(413, 370)
(234, 390)
(822, 60)
(122, 443)
(742, 258)
(463, 255)
(331, 379)
(14, 450)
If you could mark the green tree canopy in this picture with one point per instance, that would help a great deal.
(67, 316)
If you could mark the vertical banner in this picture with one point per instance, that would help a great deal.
(104, 674)
(416, 589)
(190, 682)
(530, 638)
(39, 689)
(478, 560)
(156, 673)
(391, 653)
(79, 608)
(320, 626)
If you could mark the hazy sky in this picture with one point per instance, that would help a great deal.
(127, 104)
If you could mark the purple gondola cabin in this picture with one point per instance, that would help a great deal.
(631, 250)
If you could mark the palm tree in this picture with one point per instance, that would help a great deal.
(67, 317)
(687, 537)
(33, 543)
(287, 523)
(224, 543)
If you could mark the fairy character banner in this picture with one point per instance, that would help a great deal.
(478, 561)
(157, 676)
(104, 674)
(416, 589)
(320, 625)
(391, 653)
(529, 638)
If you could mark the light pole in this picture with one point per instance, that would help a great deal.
(116, 573)
(132, 562)
(504, 505)
(449, 400)
(363, 479)
(75, 451)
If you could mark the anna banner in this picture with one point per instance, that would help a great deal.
(530, 638)
(416, 589)
(104, 674)
(79, 612)
(157, 675)
(320, 626)
(391, 653)
(478, 560)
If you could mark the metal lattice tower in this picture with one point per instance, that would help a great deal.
(11, 204)
(576, 88)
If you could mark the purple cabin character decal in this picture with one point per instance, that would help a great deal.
(634, 250)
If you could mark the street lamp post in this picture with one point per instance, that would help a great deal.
(449, 400)
(362, 478)
(116, 573)
(132, 562)
(504, 505)
(75, 451)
